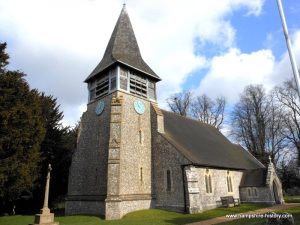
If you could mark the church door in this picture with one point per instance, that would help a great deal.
(275, 192)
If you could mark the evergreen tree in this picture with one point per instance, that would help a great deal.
(57, 146)
(3, 57)
(31, 137)
(21, 133)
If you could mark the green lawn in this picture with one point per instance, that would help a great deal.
(144, 217)
(290, 199)
(294, 211)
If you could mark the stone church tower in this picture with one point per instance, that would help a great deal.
(132, 155)
(111, 168)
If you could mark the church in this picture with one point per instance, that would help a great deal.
(132, 155)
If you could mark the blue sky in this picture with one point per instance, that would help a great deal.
(213, 47)
(254, 33)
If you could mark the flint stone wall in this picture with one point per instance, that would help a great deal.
(135, 154)
(166, 157)
(88, 171)
(85, 207)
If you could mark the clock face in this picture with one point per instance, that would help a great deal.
(99, 107)
(139, 107)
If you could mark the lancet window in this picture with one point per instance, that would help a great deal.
(208, 184)
(229, 182)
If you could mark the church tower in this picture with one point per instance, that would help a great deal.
(111, 168)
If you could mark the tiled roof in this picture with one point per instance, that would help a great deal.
(254, 178)
(123, 48)
(204, 145)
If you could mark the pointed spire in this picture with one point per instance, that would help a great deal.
(123, 48)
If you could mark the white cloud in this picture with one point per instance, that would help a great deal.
(230, 72)
(59, 42)
(69, 111)
(283, 69)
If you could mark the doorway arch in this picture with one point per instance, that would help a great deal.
(275, 193)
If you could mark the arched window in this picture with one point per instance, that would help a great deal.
(249, 192)
(255, 192)
(229, 182)
(141, 175)
(208, 182)
(169, 184)
(141, 136)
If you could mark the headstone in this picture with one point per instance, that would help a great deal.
(45, 217)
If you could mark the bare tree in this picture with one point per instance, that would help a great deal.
(256, 123)
(209, 111)
(288, 97)
(180, 103)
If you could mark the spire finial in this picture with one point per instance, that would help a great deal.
(124, 3)
(270, 159)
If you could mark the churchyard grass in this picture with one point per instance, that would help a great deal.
(294, 211)
(143, 217)
(292, 198)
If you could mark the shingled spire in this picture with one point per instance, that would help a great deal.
(123, 48)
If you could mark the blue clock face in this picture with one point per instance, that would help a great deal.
(99, 107)
(139, 107)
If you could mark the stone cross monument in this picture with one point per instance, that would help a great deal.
(45, 217)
